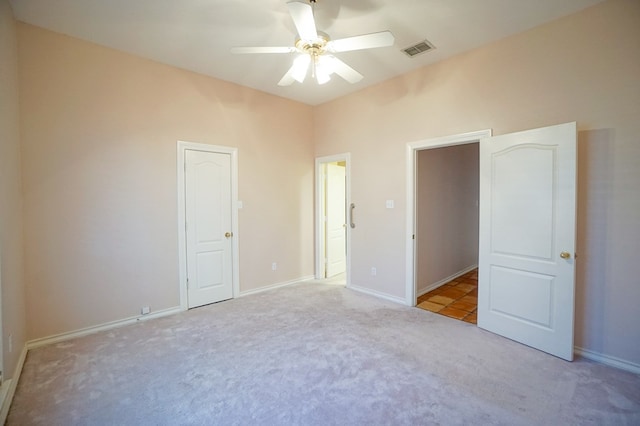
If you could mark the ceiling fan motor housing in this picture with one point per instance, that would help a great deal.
(315, 47)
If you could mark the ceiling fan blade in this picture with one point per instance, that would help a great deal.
(345, 71)
(302, 15)
(266, 49)
(366, 41)
(297, 72)
(287, 79)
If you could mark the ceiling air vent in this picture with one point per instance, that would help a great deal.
(421, 47)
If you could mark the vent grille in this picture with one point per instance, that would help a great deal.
(418, 48)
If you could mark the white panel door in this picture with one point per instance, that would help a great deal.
(208, 223)
(336, 225)
(527, 237)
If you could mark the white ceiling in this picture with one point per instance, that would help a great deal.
(197, 34)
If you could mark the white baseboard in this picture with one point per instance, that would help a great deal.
(609, 360)
(157, 314)
(378, 294)
(9, 386)
(276, 285)
(443, 281)
(97, 328)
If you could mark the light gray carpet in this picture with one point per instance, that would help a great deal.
(313, 354)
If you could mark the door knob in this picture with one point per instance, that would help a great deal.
(228, 234)
(565, 255)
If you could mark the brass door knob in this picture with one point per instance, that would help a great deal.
(228, 234)
(565, 255)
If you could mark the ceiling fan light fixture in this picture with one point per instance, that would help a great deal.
(324, 67)
(300, 67)
(322, 76)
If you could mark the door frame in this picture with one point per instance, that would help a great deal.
(182, 147)
(319, 214)
(411, 158)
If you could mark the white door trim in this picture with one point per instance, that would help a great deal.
(411, 150)
(319, 214)
(183, 146)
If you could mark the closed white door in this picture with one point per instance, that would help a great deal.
(208, 227)
(527, 237)
(336, 220)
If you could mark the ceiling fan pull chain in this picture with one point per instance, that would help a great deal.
(314, 60)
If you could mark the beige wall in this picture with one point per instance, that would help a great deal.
(99, 131)
(11, 253)
(582, 68)
(447, 189)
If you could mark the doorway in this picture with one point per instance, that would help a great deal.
(449, 202)
(332, 230)
(447, 216)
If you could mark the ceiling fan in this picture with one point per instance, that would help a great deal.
(315, 49)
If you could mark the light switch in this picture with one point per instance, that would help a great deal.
(239, 204)
(390, 204)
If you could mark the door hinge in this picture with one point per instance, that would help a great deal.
(187, 282)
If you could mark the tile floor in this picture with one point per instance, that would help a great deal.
(456, 299)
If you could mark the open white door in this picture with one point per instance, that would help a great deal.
(336, 223)
(527, 237)
(208, 223)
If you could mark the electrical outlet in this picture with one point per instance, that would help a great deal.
(145, 310)
(374, 271)
(10, 342)
(274, 266)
